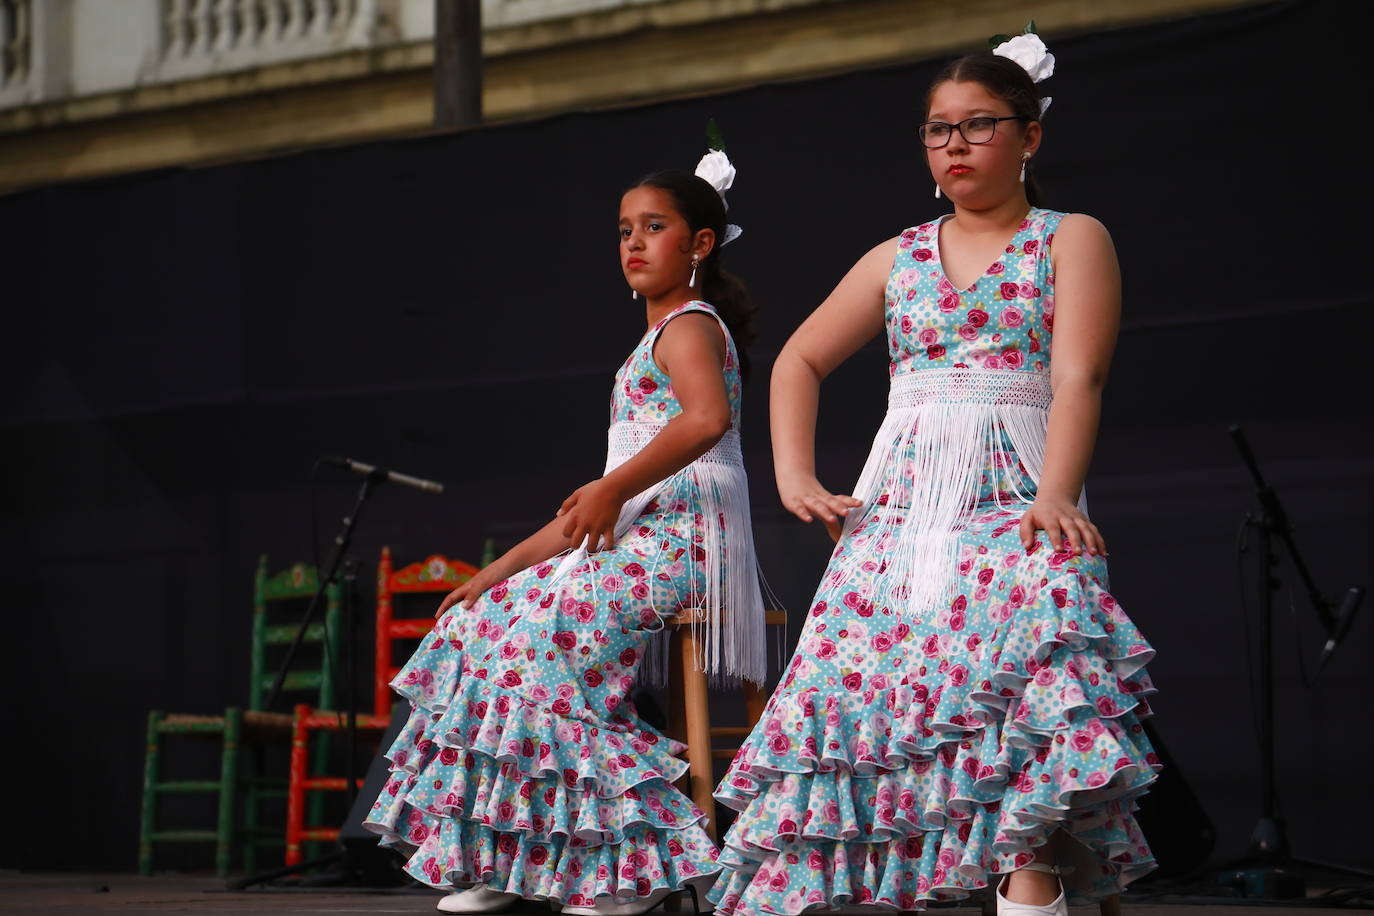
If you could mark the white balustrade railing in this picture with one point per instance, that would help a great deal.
(201, 37)
(126, 44)
(16, 51)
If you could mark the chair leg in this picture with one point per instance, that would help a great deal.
(295, 793)
(1110, 906)
(677, 709)
(250, 812)
(228, 795)
(316, 802)
(697, 718)
(148, 818)
(755, 700)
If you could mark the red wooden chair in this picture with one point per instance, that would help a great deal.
(436, 574)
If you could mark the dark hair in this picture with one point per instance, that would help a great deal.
(702, 208)
(1004, 78)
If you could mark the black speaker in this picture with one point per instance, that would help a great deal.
(371, 863)
(1171, 816)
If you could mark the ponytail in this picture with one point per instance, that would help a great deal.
(730, 297)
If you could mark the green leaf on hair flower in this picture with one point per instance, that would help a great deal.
(1030, 28)
(996, 40)
(714, 138)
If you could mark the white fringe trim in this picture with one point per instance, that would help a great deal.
(943, 428)
(731, 637)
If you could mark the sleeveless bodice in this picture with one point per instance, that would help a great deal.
(644, 393)
(1003, 320)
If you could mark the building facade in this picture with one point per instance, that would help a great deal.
(99, 87)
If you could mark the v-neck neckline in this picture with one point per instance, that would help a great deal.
(1001, 256)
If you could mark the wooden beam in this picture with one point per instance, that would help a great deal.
(457, 63)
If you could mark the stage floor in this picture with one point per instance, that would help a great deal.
(130, 895)
(61, 894)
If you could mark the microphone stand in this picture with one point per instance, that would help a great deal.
(350, 662)
(1269, 846)
(341, 543)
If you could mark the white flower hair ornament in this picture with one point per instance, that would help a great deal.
(1030, 52)
(716, 170)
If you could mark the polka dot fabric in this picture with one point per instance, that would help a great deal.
(913, 757)
(524, 765)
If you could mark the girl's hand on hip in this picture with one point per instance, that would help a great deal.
(804, 497)
(1059, 519)
(591, 512)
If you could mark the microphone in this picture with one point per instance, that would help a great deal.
(419, 483)
(1345, 616)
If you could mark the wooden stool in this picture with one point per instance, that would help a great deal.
(689, 719)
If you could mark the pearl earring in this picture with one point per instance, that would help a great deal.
(937, 190)
(1025, 157)
(693, 281)
(634, 293)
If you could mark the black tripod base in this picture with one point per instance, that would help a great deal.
(345, 868)
(1268, 842)
(1270, 882)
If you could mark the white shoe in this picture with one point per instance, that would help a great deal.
(477, 899)
(1059, 907)
(606, 905)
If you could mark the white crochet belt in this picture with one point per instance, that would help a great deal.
(626, 438)
(970, 386)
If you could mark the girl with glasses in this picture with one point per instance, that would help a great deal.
(963, 708)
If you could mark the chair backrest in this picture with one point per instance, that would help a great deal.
(435, 574)
(292, 587)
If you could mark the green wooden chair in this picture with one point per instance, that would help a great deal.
(239, 728)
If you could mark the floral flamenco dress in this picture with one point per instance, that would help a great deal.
(523, 765)
(954, 698)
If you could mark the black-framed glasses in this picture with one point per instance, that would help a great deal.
(936, 134)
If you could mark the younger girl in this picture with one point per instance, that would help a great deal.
(963, 708)
(524, 770)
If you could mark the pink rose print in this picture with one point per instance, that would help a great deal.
(874, 681)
